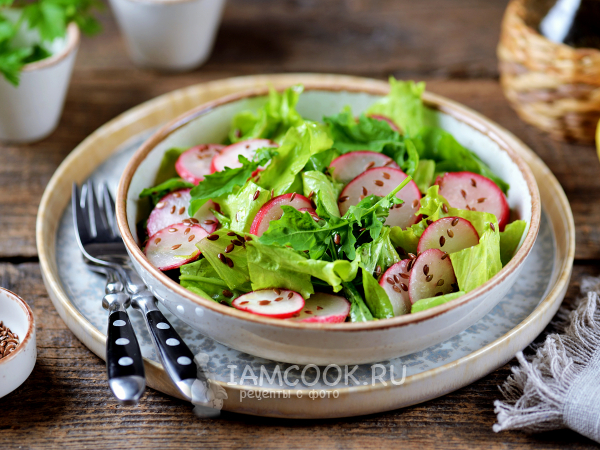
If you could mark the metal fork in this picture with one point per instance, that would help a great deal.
(175, 355)
(97, 241)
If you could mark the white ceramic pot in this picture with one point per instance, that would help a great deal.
(173, 35)
(31, 111)
(16, 367)
(313, 343)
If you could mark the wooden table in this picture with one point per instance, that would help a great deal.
(449, 43)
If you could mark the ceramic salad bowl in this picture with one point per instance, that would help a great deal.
(326, 343)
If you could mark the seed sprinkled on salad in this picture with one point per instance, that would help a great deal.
(388, 229)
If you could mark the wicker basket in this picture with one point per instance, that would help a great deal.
(552, 86)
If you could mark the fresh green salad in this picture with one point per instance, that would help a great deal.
(348, 219)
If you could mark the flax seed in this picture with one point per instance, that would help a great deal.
(247, 238)
(213, 237)
(157, 241)
(415, 203)
(208, 222)
(310, 194)
(343, 199)
(290, 295)
(404, 287)
(492, 226)
(396, 278)
(176, 194)
(364, 191)
(319, 308)
(386, 175)
(429, 278)
(221, 256)
(256, 194)
(370, 165)
(173, 208)
(293, 197)
(160, 205)
(463, 193)
(444, 208)
(390, 280)
(337, 239)
(442, 241)
(181, 210)
(176, 246)
(227, 293)
(440, 282)
(426, 269)
(396, 288)
(194, 220)
(473, 182)
(264, 302)
(172, 230)
(379, 182)
(187, 231)
(244, 303)
(191, 238)
(278, 299)
(455, 221)
(378, 270)
(450, 233)
(229, 262)
(229, 248)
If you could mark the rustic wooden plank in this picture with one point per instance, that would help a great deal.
(66, 404)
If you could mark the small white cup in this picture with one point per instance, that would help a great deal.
(31, 111)
(171, 35)
(16, 367)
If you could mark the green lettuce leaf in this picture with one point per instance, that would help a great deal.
(425, 174)
(510, 239)
(271, 121)
(450, 156)
(475, 265)
(380, 252)
(298, 145)
(236, 277)
(376, 298)
(273, 266)
(321, 160)
(167, 171)
(426, 303)
(171, 185)
(327, 191)
(241, 208)
(403, 105)
(200, 277)
(359, 312)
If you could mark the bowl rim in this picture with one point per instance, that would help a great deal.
(30, 325)
(433, 101)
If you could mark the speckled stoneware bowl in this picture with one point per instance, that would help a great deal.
(17, 366)
(346, 343)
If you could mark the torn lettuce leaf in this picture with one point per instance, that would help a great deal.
(379, 252)
(296, 148)
(167, 165)
(424, 176)
(236, 277)
(157, 192)
(274, 266)
(475, 265)
(272, 120)
(403, 105)
(359, 312)
(241, 207)
(510, 239)
(327, 191)
(201, 278)
(376, 298)
(427, 303)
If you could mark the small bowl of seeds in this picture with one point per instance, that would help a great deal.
(18, 351)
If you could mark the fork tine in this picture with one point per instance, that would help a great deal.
(80, 219)
(98, 221)
(109, 208)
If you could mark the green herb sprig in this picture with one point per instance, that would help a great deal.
(50, 19)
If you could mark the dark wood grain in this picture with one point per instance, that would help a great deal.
(66, 404)
(449, 43)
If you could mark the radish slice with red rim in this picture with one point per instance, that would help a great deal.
(350, 165)
(272, 211)
(323, 308)
(173, 208)
(228, 157)
(194, 164)
(174, 246)
(394, 282)
(381, 181)
(450, 234)
(275, 303)
(431, 275)
(471, 191)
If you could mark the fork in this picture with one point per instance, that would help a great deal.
(97, 239)
(174, 354)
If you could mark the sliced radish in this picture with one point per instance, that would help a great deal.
(467, 190)
(394, 282)
(431, 275)
(228, 157)
(323, 308)
(173, 208)
(174, 246)
(350, 165)
(388, 120)
(276, 303)
(450, 234)
(381, 181)
(194, 164)
(312, 212)
(272, 211)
